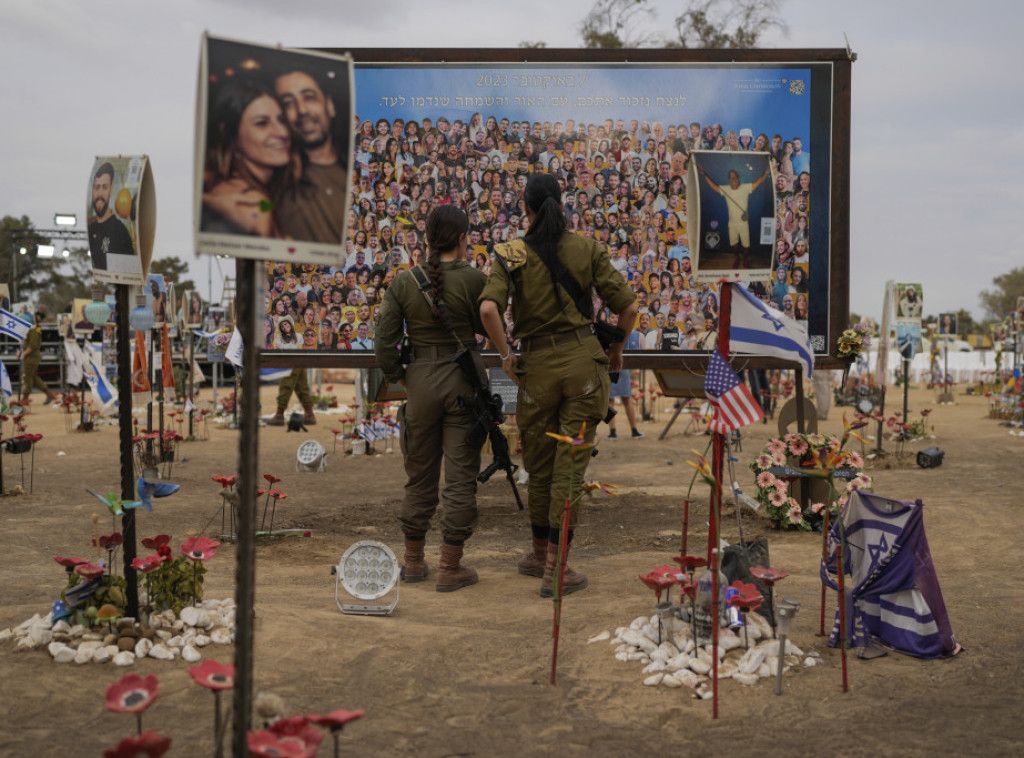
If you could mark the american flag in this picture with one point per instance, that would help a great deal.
(734, 406)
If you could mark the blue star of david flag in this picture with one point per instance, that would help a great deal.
(762, 330)
(5, 383)
(13, 326)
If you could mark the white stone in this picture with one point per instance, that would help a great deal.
(599, 637)
(622, 656)
(163, 634)
(83, 656)
(155, 621)
(699, 666)
(654, 666)
(101, 655)
(28, 623)
(190, 654)
(65, 655)
(89, 645)
(91, 636)
(751, 661)
(809, 661)
(638, 622)
(201, 640)
(53, 647)
(729, 641)
(78, 630)
(40, 635)
(176, 641)
(25, 643)
(686, 678)
(124, 658)
(748, 679)
(638, 656)
(221, 636)
(671, 681)
(161, 653)
(771, 647)
(178, 625)
(142, 648)
(62, 626)
(765, 669)
(669, 649)
(654, 680)
(650, 631)
(660, 656)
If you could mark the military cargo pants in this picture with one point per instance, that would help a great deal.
(560, 388)
(433, 428)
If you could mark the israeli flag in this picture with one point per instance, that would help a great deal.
(97, 377)
(271, 374)
(13, 326)
(5, 382)
(762, 330)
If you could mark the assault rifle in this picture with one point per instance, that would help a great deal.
(486, 409)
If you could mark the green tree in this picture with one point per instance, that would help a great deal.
(69, 281)
(25, 274)
(1003, 299)
(173, 270)
(726, 23)
(613, 24)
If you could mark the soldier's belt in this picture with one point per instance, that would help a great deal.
(554, 340)
(434, 352)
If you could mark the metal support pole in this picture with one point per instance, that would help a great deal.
(191, 382)
(248, 454)
(124, 422)
(906, 387)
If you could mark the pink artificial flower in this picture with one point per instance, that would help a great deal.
(766, 479)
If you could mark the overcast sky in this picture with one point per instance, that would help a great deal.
(937, 135)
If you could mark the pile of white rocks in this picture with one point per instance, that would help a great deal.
(677, 662)
(164, 636)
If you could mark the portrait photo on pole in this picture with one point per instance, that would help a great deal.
(273, 150)
(121, 218)
(156, 298)
(948, 325)
(732, 215)
(908, 340)
(193, 310)
(909, 303)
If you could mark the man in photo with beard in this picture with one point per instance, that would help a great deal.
(107, 235)
(315, 210)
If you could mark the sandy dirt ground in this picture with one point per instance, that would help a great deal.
(466, 673)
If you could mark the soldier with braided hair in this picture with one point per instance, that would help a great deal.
(433, 422)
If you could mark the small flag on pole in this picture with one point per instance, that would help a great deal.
(5, 383)
(734, 406)
(761, 330)
(13, 326)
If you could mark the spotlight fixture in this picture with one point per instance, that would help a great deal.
(368, 570)
(311, 457)
(45, 251)
(66, 253)
(23, 251)
(65, 219)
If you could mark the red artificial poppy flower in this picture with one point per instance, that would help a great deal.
(149, 563)
(298, 728)
(260, 491)
(336, 719)
(271, 479)
(89, 571)
(164, 551)
(690, 562)
(199, 548)
(748, 597)
(110, 541)
(154, 543)
(689, 589)
(278, 495)
(265, 744)
(657, 581)
(68, 563)
(132, 694)
(149, 744)
(213, 675)
(33, 438)
(152, 435)
(768, 575)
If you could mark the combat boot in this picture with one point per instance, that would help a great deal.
(278, 418)
(532, 564)
(451, 575)
(572, 581)
(308, 417)
(414, 567)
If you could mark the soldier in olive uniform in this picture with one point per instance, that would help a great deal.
(433, 424)
(563, 372)
(30, 357)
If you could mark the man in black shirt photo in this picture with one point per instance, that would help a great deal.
(107, 235)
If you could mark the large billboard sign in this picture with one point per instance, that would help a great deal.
(690, 170)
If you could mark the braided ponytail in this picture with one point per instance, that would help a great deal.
(445, 226)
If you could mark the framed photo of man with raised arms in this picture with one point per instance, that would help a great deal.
(627, 143)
